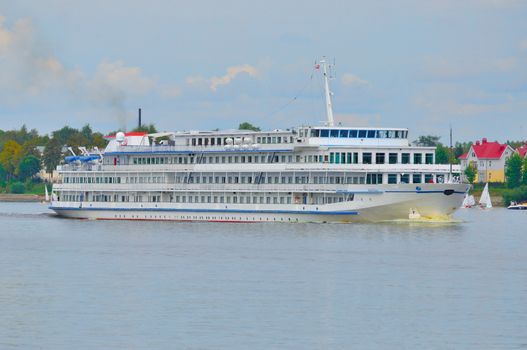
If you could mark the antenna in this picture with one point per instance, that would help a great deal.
(450, 153)
(327, 92)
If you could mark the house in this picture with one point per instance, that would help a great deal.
(522, 151)
(488, 158)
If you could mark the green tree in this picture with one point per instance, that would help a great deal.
(29, 166)
(10, 158)
(87, 132)
(524, 174)
(470, 173)
(248, 126)
(52, 155)
(442, 154)
(427, 141)
(62, 135)
(98, 140)
(513, 171)
(150, 129)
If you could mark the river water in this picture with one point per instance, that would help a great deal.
(75, 284)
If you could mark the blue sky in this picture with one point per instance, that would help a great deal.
(207, 64)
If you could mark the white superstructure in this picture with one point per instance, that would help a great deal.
(306, 174)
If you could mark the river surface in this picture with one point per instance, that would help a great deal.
(76, 284)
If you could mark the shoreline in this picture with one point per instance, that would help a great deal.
(12, 198)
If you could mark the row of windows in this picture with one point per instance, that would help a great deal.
(333, 157)
(380, 158)
(361, 134)
(220, 141)
(255, 179)
(218, 199)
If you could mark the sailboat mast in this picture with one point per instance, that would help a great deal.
(329, 104)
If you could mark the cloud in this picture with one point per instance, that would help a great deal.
(28, 70)
(232, 72)
(353, 80)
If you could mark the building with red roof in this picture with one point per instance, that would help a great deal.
(522, 151)
(488, 158)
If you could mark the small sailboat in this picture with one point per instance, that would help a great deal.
(485, 201)
(468, 201)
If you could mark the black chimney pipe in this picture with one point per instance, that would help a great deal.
(139, 126)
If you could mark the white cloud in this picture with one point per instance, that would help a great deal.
(232, 72)
(353, 80)
(213, 83)
(116, 75)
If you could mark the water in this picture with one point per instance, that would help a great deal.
(148, 285)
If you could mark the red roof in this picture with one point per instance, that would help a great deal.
(133, 133)
(489, 150)
(463, 156)
(522, 151)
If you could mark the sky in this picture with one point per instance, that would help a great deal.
(203, 64)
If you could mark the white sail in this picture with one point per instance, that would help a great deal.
(485, 201)
(47, 194)
(468, 201)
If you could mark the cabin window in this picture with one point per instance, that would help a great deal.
(373, 179)
(429, 178)
(418, 158)
(405, 178)
(416, 178)
(405, 158)
(366, 158)
(429, 158)
(331, 157)
(392, 178)
(392, 158)
(379, 158)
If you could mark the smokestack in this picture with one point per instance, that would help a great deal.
(139, 125)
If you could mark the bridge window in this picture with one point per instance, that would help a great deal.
(343, 133)
(334, 133)
(362, 133)
(324, 133)
(353, 133)
(371, 134)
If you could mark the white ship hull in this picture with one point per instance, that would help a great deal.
(370, 204)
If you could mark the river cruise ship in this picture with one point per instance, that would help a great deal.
(327, 173)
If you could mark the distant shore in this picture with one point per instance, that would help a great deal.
(10, 197)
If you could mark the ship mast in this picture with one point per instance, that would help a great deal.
(328, 93)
